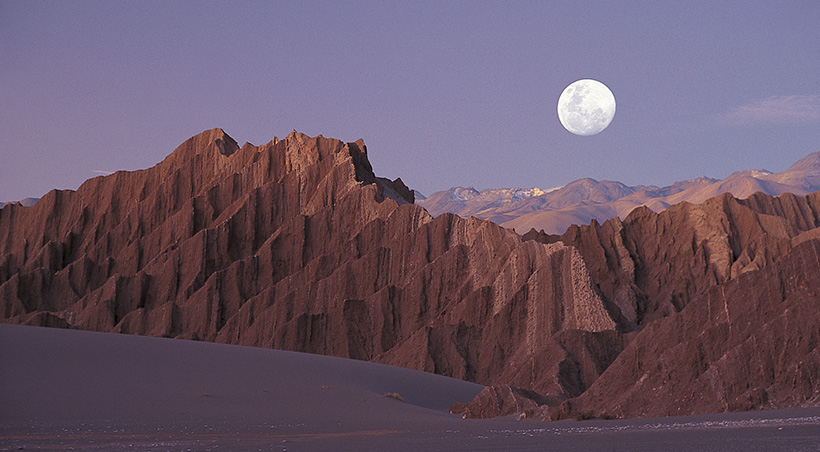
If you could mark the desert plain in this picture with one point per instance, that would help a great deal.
(78, 390)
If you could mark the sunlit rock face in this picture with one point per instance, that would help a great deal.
(725, 296)
(297, 245)
(746, 345)
(653, 264)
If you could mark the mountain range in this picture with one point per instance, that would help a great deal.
(583, 200)
(298, 245)
(26, 202)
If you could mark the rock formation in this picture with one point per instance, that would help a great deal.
(496, 401)
(652, 264)
(297, 245)
(683, 277)
(746, 345)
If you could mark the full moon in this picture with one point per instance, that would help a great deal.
(586, 107)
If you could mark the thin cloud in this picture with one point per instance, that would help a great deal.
(776, 110)
(104, 173)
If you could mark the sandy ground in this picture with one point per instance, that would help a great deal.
(76, 390)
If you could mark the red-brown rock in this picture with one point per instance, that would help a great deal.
(652, 264)
(746, 345)
(297, 245)
(503, 400)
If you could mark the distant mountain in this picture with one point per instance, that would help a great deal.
(722, 297)
(417, 195)
(468, 201)
(26, 202)
(581, 201)
(298, 245)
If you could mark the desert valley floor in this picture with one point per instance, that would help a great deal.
(76, 390)
(297, 245)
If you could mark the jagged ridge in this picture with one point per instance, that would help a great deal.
(297, 245)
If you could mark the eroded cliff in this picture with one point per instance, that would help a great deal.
(297, 245)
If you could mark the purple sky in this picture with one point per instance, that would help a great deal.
(443, 93)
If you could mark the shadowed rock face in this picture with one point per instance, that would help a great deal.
(653, 264)
(495, 401)
(748, 344)
(725, 294)
(297, 245)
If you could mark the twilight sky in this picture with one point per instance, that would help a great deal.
(443, 93)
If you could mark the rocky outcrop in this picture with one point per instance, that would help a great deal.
(746, 345)
(297, 245)
(497, 401)
(653, 264)
(578, 359)
(716, 293)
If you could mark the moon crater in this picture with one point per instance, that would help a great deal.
(586, 107)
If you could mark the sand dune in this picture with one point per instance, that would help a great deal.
(79, 375)
(67, 389)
